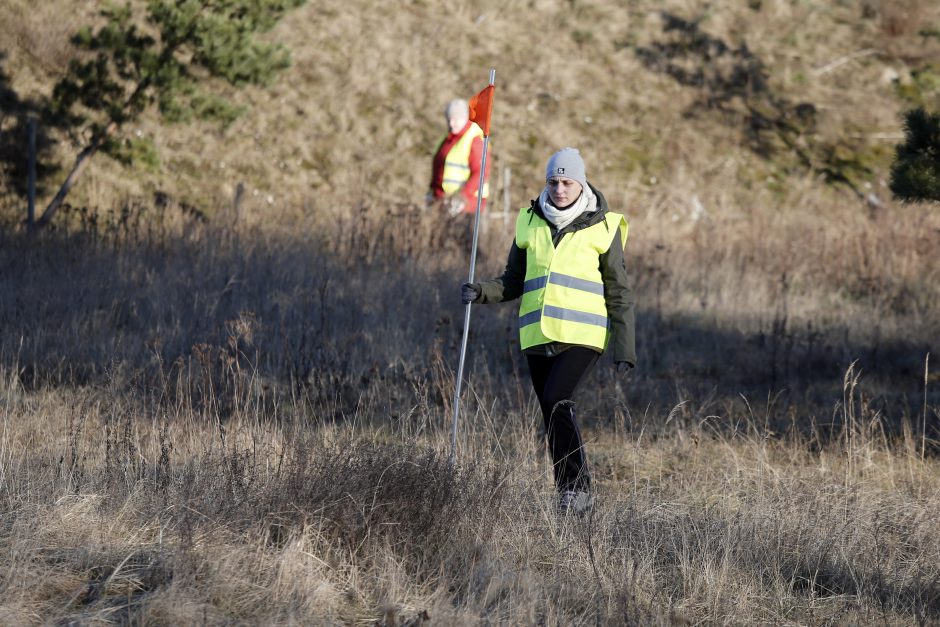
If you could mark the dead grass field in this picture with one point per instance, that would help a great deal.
(120, 509)
(219, 418)
(207, 425)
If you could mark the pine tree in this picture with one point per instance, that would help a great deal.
(167, 60)
(915, 173)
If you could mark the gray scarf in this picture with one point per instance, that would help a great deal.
(586, 203)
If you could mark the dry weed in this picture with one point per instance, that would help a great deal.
(283, 523)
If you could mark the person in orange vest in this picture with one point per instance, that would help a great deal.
(455, 174)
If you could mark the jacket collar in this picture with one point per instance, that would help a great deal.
(460, 133)
(581, 222)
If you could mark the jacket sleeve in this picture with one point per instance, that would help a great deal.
(437, 171)
(620, 302)
(509, 285)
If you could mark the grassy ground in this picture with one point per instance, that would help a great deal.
(117, 511)
(208, 425)
(211, 416)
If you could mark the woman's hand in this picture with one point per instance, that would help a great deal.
(623, 367)
(470, 292)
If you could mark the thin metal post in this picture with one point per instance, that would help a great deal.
(31, 186)
(466, 317)
(507, 194)
(923, 424)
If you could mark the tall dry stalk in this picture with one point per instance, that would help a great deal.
(923, 422)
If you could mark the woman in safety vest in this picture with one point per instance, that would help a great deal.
(566, 263)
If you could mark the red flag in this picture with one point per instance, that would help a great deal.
(481, 108)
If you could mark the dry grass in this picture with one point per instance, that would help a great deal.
(217, 418)
(219, 424)
(122, 510)
(357, 116)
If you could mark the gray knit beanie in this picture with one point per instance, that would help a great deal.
(567, 162)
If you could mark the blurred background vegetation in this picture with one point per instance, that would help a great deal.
(751, 147)
(730, 103)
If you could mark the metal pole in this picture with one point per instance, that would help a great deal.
(507, 195)
(466, 316)
(31, 188)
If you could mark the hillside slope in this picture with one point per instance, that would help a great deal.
(725, 101)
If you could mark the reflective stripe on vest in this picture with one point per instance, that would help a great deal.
(563, 293)
(456, 171)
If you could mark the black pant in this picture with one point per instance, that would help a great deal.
(555, 379)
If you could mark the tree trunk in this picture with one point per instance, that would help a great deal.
(80, 164)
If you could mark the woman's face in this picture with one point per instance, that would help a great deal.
(456, 121)
(563, 191)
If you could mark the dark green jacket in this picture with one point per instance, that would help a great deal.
(617, 292)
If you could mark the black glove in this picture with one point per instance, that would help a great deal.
(470, 292)
(623, 367)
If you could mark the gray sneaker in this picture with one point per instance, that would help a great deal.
(576, 502)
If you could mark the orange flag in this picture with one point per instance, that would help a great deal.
(481, 108)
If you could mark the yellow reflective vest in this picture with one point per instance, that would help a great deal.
(456, 164)
(563, 293)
